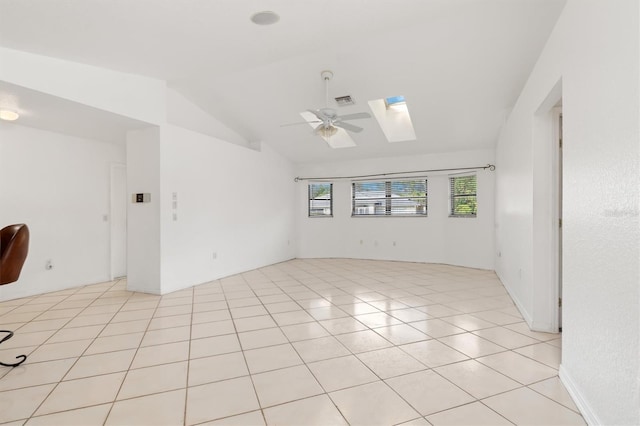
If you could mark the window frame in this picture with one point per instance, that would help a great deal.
(309, 199)
(387, 201)
(453, 196)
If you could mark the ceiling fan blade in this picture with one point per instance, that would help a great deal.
(300, 122)
(347, 126)
(355, 116)
(318, 114)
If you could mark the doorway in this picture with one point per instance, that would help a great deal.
(547, 214)
(118, 227)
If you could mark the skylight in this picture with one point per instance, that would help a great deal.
(393, 117)
(395, 102)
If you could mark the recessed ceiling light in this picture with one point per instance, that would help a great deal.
(8, 115)
(265, 18)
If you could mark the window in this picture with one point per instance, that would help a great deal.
(463, 197)
(320, 200)
(389, 198)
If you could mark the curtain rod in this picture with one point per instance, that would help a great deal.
(491, 167)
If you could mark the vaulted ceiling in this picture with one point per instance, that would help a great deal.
(460, 64)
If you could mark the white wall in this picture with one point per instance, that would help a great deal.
(257, 231)
(59, 186)
(436, 238)
(594, 52)
(231, 200)
(143, 219)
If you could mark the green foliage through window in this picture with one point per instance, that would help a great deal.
(320, 200)
(464, 199)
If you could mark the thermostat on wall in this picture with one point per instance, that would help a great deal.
(143, 197)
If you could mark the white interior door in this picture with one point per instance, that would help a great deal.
(118, 220)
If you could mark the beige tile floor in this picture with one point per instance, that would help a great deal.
(304, 342)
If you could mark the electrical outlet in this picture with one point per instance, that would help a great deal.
(215, 255)
(394, 243)
(49, 265)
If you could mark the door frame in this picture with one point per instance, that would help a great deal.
(112, 194)
(556, 204)
(546, 262)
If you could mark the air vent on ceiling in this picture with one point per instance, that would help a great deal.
(344, 100)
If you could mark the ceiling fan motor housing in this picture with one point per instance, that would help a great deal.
(330, 113)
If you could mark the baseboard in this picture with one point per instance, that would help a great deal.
(583, 406)
(523, 311)
(394, 259)
(140, 289)
(543, 328)
(220, 275)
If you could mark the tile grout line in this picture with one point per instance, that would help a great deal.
(115, 399)
(253, 385)
(74, 363)
(186, 391)
(303, 363)
(300, 283)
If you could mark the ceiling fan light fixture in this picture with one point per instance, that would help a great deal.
(8, 115)
(265, 17)
(326, 132)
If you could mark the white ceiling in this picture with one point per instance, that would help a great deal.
(459, 63)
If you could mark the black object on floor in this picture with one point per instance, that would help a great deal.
(7, 337)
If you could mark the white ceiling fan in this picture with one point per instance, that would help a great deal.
(327, 119)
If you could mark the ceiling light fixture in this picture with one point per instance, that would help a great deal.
(326, 132)
(8, 115)
(266, 17)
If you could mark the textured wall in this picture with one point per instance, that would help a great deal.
(594, 51)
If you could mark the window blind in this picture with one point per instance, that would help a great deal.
(320, 200)
(463, 196)
(389, 198)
